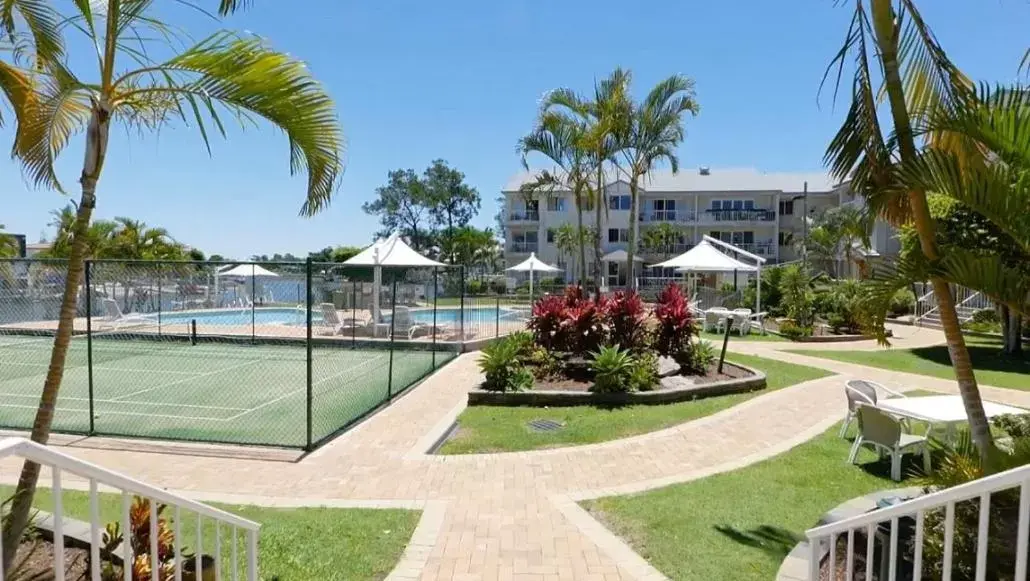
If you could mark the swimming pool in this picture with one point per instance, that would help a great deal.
(297, 316)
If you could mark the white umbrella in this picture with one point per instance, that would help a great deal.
(391, 251)
(705, 257)
(531, 265)
(243, 270)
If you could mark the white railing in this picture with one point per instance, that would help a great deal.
(966, 301)
(825, 538)
(60, 464)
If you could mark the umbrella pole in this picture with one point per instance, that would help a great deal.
(531, 284)
(377, 285)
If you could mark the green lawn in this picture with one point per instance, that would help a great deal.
(741, 524)
(992, 367)
(295, 543)
(503, 429)
(716, 338)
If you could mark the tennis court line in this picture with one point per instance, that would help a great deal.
(86, 411)
(288, 394)
(103, 368)
(95, 400)
(190, 378)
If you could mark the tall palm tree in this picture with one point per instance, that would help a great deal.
(8, 244)
(917, 78)
(560, 138)
(223, 73)
(654, 130)
(604, 118)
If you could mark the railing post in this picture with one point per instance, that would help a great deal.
(89, 344)
(461, 310)
(308, 345)
(354, 316)
(253, 304)
(497, 318)
(159, 297)
(436, 293)
(393, 321)
(252, 555)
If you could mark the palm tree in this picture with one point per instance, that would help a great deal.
(834, 236)
(223, 73)
(560, 138)
(917, 78)
(654, 131)
(660, 237)
(567, 238)
(604, 119)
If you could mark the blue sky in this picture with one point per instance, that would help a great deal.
(460, 80)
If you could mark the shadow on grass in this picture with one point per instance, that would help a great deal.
(775, 541)
(985, 354)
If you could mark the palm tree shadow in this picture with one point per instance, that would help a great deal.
(985, 356)
(775, 541)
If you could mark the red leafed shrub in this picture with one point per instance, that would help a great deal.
(675, 323)
(624, 314)
(548, 323)
(574, 295)
(585, 324)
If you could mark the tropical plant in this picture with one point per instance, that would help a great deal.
(845, 313)
(624, 317)
(661, 237)
(502, 367)
(569, 238)
(772, 298)
(8, 245)
(903, 302)
(644, 375)
(651, 136)
(833, 236)
(798, 297)
(675, 324)
(139, 540)
(613, 370)
(700, 356)
(547, 322)
(585, 324)
(793, 331)
(222, 73)
(890, 38)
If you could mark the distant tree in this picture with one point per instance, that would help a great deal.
(402, 206)
(452, 203)
(216, 258)
(8, 245)
(195, 254)
(471, 247)
(660, 237)
(344, 253)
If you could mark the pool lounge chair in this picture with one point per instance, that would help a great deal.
(113, 314)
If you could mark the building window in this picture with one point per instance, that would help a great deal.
(783, 239)
(618, 235)
(787, 208)
(555, 204)
(618, 202)
(664, 210)
(550, 235)
(733, 204)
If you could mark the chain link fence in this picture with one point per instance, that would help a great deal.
(269, 353)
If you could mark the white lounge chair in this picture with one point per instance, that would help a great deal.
(758, 320)
(113, 314)
(883, 433)
(715, 319)
(742, 319)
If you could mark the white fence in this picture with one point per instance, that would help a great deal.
(826, 538)
(967, 302)
(61, 464)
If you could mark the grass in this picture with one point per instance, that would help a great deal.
(295, 543)
(992, 367)
(717, 337)
(740, 525)
(503, 429)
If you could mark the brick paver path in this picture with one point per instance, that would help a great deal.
(514, 515)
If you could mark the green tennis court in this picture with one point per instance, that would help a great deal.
(213, 392)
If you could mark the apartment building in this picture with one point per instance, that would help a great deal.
(758, 212)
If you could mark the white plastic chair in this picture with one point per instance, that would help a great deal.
(742, 318)
(883, 433)
(715, 319)
(863, 391)
(758, 320)
(113, 314)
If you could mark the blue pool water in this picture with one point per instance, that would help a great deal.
(288, 316)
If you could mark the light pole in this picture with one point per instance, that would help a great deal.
(804, 226)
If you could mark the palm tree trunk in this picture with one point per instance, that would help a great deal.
(631, 247)
(598, 266)
(21, 502)
(582, 243)
(884, 24)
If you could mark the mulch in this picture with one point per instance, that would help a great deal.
(40, 561)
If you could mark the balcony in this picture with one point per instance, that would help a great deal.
(668, 216)
(752, 216)
(524, 216)
(665, 250)
(523, 247)
(758, 248)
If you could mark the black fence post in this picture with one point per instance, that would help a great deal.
(461, 302)
(393, 320)
(159, 297)
(89, 346)
(354, 316)
(253, 302)
(497, 318)
(308, 343)
(436, 293)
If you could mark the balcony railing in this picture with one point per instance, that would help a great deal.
(524, 216)
(674, 216)
(666, 249)
(523, 247)
(753, 215)
(759, 248)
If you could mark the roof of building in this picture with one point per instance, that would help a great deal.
(714, 180)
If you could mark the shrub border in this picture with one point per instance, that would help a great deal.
(540, 398)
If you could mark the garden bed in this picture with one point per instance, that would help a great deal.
(674, 388)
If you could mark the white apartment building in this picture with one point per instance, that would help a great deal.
(758, 212)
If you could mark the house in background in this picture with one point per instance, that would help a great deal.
(761, 213)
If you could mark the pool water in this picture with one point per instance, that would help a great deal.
(296, 316)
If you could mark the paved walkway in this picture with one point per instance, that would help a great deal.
(514, 515)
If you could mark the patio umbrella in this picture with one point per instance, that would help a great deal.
(531, 265)
(253, 271)
(391, 251)
(705, 257)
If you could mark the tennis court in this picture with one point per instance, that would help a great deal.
(215, 392)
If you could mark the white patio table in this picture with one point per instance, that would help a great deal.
(946, 410)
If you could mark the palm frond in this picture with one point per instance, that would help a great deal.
(16, 86)
(42, 22)
(992, 275)
(247, 77)
(60, 110)
(996, 120)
